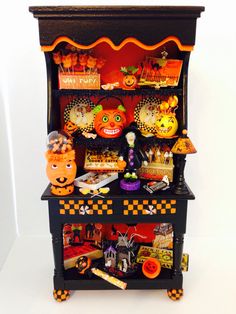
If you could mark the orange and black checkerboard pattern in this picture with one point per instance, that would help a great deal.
(149, 207)
(86, 207)
(61, 295)
(175, 294)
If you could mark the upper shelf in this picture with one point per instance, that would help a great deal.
(86, 25)
(165, 91)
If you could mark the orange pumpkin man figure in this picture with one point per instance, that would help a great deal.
(109, 123)
(61, 167)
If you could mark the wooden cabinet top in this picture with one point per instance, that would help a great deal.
(87, 24)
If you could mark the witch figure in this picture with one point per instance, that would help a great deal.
(133, 155)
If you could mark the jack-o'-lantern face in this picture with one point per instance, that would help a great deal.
(166, 125)
(70, 127)
(129, 81)
(151, 268)
(110, 123)
(61, 173)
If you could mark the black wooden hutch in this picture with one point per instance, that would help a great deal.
(149, 27)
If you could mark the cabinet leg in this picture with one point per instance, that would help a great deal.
(175, 294)
(177, 253)
(57, 242)
(61, 295)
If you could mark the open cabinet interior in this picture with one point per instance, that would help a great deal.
(84, 79)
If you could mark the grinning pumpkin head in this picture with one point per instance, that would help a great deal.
(151, 268)
(129, 81)
(61, 168)
(166, 125)
(109, 123)
(70, 127)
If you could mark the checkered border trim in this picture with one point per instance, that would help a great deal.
(85, 207)
(149, 207)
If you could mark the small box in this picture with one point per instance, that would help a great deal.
(101, 179)
(156, 171)
(78, 80)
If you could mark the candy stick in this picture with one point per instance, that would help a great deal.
(170, 158)
(166, 155)
(114, 281)
(83, 264)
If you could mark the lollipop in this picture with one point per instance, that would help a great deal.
(67, 61)
(83, 60)
(74, 60)
(100, 63)
(57, 59)
(91, 63)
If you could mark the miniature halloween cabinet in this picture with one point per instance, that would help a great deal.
(113, 71)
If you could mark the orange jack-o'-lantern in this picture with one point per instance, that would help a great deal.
(109, 123)
(70, 127)
(151, 268)
(129, 81)
(61, 167)
(61, 171)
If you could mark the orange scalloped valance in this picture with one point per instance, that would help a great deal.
(117, 47)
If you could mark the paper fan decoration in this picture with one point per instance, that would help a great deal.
(145, 114)
(80, 113)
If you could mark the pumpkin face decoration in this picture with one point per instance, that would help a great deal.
(61, 173)
(61, 167)
(166, 125)
(166, 122)
(70, 127)
(151, 268)
(129, 81)
(109, 123)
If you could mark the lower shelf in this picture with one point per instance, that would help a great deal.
(74, 281)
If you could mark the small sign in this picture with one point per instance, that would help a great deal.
(79, 81)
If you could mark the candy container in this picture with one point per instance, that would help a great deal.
(109, 123)
(61, 167)
(166, 122)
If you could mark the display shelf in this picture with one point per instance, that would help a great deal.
(117, 193)
(119, 92)
(74, 281)
(100, 142)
